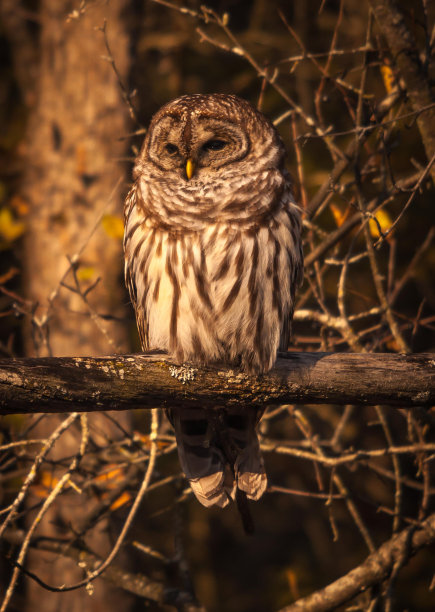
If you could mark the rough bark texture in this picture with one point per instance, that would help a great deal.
(409, 66)
(146, 381)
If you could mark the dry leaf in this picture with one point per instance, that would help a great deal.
(146, 440)
(388, 78)
(85, 273)
(111, 478)
(10, 229)
(383, 219)
(19, 205)
(339, 216)
(123, 499)
(46, 483)
(113, 226)
(292, 583)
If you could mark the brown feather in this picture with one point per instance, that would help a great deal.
(212, 265)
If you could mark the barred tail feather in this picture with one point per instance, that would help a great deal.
(215, 489)
(201, 460)
(250, 472)
(248, 464)
(219, 452)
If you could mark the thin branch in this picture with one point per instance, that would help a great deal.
(372, 571)
(345, 457)
(409, 202)
(56, 491)
(92, 575)
(125, 94)
(48, 445)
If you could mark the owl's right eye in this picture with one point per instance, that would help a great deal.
(171, 148)
(214, 145)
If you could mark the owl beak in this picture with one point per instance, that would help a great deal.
(190, 169)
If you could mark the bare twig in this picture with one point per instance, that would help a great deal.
(373, 570)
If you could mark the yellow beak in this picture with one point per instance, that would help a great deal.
(190, 168)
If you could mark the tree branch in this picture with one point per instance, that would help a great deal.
(121, 382)
(372, 571)
(138, 583)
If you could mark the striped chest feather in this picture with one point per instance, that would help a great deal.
(222, 293)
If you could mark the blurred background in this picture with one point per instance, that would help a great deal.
(79, 82)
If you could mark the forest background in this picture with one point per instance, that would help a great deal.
(349, 86)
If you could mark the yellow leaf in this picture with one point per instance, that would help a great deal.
(384, 221)
(39, 491)
(113, 226)
(146, 440)
(392, 345)
(20, 205)
(388, 78)
(111, 478)
(292, 583)
(123, 499)
(10, 229)
(339, 216)
(48, 480)
(85, 273)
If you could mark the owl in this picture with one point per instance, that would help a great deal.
(212, 260)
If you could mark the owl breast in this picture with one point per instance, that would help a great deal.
(213, 257)
(223, 292)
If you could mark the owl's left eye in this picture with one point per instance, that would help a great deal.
(214, 145)
(171, 148)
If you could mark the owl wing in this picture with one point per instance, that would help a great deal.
(141, 322)
(129, 272)
(286, 331)
(249, 470)
(296, 274)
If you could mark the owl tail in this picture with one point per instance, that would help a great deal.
(220, 454)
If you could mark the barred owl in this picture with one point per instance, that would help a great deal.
(212, 261)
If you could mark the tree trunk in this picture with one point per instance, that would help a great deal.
(405, 55)
(72, 174)
(71, 178)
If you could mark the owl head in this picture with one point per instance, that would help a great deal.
(207, 137)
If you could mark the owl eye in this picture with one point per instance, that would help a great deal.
(214, 145)
(171, 148)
